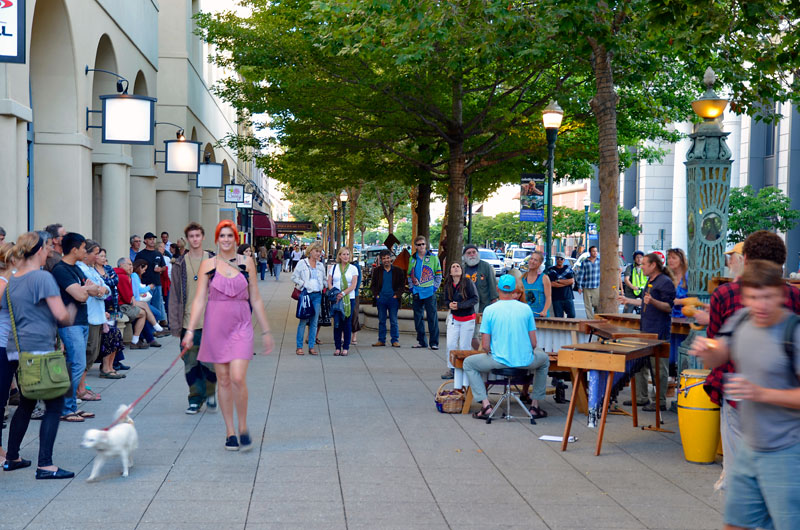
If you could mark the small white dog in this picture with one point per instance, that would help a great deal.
(120, 440)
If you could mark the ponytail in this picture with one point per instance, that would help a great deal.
(663, 269)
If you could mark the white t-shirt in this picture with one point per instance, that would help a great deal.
(351, 274)
(297, 255)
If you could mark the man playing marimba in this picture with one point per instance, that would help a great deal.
(509, 334)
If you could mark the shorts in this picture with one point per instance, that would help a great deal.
(93, 344)
(763, 489)
(130, 311)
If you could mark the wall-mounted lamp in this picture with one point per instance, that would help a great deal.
(210, 175)
(180, 155)
(126, 119)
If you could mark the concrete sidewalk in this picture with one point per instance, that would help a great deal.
(354, 442)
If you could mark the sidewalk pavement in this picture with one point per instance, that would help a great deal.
(353, 442)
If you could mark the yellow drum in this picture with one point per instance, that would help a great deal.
(698, 418)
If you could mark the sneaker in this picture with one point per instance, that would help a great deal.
(161, 334)
(652, 408)
(37, 414)
(593, 419)
(379, 344)
(211, 404)
(395, 345)
(434, 347)
(120, 366)
(629, 402)
(141, 345)
(194, 408)
(246, 442)
(449, 374)
(231, 444)
(155, 344)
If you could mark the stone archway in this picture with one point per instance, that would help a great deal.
(61, 176)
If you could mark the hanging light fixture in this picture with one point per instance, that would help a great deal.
(126, 118)
(180, 155)
(210, 175)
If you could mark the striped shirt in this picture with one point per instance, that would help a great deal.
(589, 274)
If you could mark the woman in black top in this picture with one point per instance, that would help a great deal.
(461, 296)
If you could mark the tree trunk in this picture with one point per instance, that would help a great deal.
(453, 232)
(604, 106)
(352, 194)
(414, 194)
(423, 226)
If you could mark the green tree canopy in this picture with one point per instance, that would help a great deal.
(769, 209)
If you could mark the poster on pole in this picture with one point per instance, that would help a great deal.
(532, 197)
(12, 31)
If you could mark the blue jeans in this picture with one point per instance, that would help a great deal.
(342, 330)
(428, 305)
(316, 301)
(157, 303)
(763, 489)
(74, 339)
(562, 307)
(276, 271)
(262, 268)
(388, 306)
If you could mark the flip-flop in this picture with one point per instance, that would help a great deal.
(85, 414)
(72, 418)
(337, 353)
(300, 351)
(89, 396)
(344, 353)
(110, 375)
(312, 351)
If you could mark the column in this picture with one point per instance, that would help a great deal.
(115, 226)
(171, 208)
(210, 217)
(11, 180)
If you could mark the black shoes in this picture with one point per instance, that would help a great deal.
(155, 344)
(638, 403)
(120, 366)
(10, 465)
(41, 474)
(231, 443)
(245, 441)
(652, 408)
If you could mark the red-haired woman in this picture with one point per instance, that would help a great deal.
(227, 288)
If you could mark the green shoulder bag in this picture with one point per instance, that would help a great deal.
(42, 376)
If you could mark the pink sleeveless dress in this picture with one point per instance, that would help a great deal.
(227, 328)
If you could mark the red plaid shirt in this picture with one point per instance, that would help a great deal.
(725, 301)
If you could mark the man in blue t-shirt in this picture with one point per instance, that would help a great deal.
(509, 335)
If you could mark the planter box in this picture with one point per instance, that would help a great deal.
(405, 321)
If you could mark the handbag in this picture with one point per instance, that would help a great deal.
(304, 308)
(324, 312)
(39, 376)
(296, 294)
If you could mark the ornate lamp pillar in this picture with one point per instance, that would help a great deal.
(708, 184)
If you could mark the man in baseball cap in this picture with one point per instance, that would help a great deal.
(509, 335)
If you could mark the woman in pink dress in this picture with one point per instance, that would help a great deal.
(228, 282)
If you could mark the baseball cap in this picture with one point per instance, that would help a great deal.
(149, 235)
(561, 255)
(738, 248)
(466, 248)
(507, 283)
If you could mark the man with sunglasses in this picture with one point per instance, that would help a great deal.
(424, 278)
(561, 279)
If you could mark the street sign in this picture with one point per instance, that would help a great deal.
(294, 227)
(532, 197)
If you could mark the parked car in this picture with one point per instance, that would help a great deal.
(491, 258)
(371, 255)
(515, 257)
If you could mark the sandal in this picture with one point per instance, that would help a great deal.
(85, 415)
(337, 353)
(72, 418)
(89, 396)
(537, 412)
(312, 351)
(110, 375)
(344, 353)
(483, 414)
(300, 351)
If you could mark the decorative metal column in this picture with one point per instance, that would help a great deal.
(708, 185)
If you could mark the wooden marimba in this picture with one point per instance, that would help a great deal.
(680, 326)
(611, 357)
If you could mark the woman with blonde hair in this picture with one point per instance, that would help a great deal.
(538, 293)
(34, 298)
(343, 276)
(228, 288)
(309, 276)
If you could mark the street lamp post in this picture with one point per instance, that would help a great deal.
(343, 198)
(551, 118)
(586, 203)
(335, 226)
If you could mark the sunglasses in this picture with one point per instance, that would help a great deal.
(421, 244)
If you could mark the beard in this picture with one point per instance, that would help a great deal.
(471, 262)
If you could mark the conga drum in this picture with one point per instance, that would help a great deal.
(698, 418)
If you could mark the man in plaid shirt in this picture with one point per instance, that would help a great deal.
(589, 282)
(725, 301)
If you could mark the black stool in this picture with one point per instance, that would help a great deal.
(508, 375)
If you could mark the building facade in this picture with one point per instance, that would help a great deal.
(55, 169)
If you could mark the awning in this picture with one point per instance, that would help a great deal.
(263, 225)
